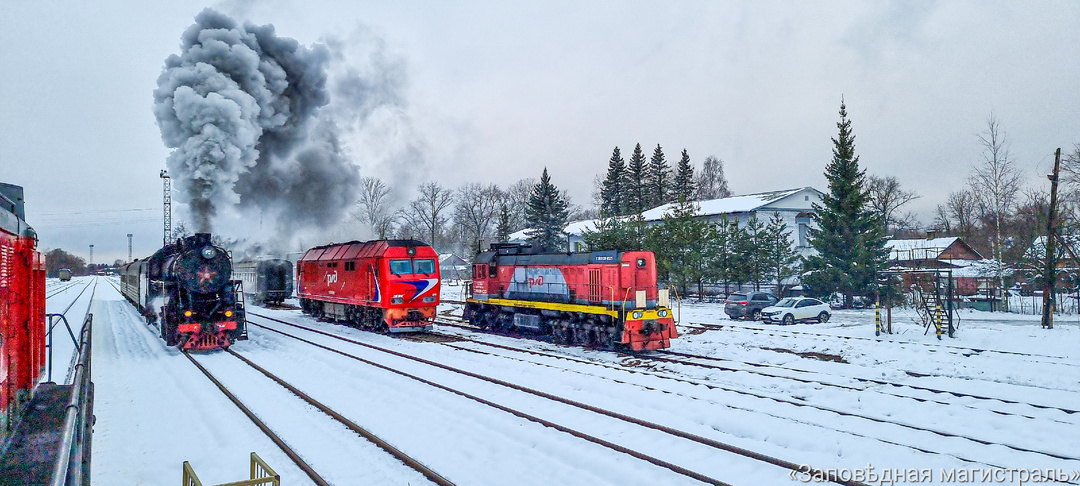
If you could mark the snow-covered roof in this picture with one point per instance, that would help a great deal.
(576, 228)
(712, 207)
(728, 205)
(918, 249)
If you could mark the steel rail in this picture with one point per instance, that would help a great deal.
(675, 432)
(856, 378)
(386, 446)
(303, 465)
(442, 320)
(861, 338)
(796, 403)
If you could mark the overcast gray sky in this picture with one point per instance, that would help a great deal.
(496, 91)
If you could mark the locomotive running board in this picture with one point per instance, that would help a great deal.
(585, 309)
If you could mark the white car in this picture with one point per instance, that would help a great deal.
(796, 309)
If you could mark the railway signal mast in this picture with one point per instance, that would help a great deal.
(166, 183)
(129, 247)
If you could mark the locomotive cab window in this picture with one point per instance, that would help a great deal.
(424, 266)
(401, 267)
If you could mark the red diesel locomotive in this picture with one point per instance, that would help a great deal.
(382, 285)
(22, 306)
(606, 299)
(46, 428)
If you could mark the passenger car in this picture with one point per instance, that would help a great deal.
(793, 309)
(747, 305)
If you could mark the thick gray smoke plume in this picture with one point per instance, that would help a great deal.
(240, 107)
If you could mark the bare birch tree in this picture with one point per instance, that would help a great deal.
(476, 208)
(995, 183)
(428, 210)
(886, 197)
(958, 215)
(373, 207)
(711, 182)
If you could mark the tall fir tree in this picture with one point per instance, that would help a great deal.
(679, 243)
(616, 233)
(503, 229)
(849, 238)
(546, 215)
(780, 257)
(659, 186)
(684, 189)
(637, 175)
(757, 268)
(611, 192)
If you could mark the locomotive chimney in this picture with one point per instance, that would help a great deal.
(201, 239)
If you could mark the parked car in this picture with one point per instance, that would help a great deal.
(747, 305)
(797, 309)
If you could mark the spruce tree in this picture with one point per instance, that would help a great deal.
(503, 230)
(611, 193)
(780, 257)
(684, 179)
(848, 238)
(546, 215)
(635, 192)
(679, 244)
(757, 268)
(659, 185)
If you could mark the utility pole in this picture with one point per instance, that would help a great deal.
(166, 189)
(129, 247)
(91, 254)
(1050, 270)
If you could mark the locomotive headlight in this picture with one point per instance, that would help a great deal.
(662, 313)
(638, 314)
(208, 253)
(429, 299)
(228, 313)
(397, 299)
(187, 313)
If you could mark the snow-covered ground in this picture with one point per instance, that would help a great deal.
(832, 396)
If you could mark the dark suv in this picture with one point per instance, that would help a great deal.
(748, 305)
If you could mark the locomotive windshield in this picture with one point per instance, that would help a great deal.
(424, 266)
(409, 267)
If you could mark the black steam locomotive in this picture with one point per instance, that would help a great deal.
(186, 290)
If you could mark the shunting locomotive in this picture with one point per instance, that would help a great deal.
(186, 290)
(381, 285)
(46, 428)
(604, 299)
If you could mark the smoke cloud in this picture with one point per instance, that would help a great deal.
(240, 106)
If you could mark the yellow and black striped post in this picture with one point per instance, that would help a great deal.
(877, 318)
(937, 320)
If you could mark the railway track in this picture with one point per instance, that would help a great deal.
(790, 467)
(703, 361)
(799, 403)
(960, 350)
(288, 450)
(789, 373)
(63, 287)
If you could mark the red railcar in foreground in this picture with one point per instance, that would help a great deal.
(22, 304)
(606, 299)
(45, 427)
(383, 285)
